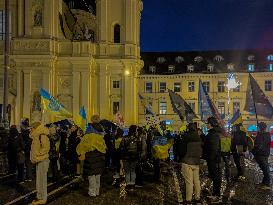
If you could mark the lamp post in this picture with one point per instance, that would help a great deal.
(232, 83)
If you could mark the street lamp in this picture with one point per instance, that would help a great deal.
(231, 84)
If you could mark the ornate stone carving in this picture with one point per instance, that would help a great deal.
(30, 45)
(37, 11)
(64, 84)
(33, 64)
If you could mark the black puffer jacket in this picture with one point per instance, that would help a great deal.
(262, 144)
(239, 138)
(191, 149)
(93, 164)
(212, 146)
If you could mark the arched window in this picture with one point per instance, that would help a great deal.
(270, 57)
(117, 33)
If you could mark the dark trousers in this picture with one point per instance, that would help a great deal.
(239, 160)
(139, 174)
(29, 166)
(215, 174)
(263, 164)
(12, 158)
(226, 159)
(20, 174)
(156, 163)
(54, 169)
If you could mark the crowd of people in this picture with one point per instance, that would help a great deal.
(59, 151)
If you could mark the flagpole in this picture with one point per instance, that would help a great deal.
(257, 121)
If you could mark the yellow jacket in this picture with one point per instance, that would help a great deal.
(40, 144)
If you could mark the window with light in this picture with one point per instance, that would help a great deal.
(162, 87)
(149, 87)
(221, 109)
(221, 86)
(162, 108)
(115, 107)
(236, 107)
(206, 86)
(115, 84)
(251, 67)
(191, 86)
(177, 87)
(268, 85)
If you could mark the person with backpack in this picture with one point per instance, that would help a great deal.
(129, 155)
(239, 146)
(190, 155)
(212, 154)
(39, 155)
(261, 152)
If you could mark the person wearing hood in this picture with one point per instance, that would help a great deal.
(261, 152)
(212, 154)
(39, 155)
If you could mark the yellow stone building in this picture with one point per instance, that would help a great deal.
(181, 71)
(83, 52)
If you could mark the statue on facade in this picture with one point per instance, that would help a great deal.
(38, 17)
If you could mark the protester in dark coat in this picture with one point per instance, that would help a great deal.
(190, 158)
(53, 153)
(238, 148)
(261, 153)
(25, 131)
(16, 146)
(63, 150)
(73, 142)
(212, 154)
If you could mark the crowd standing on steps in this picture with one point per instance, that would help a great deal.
(58, 150)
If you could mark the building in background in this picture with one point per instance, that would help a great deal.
(84, 52)
(181, 71)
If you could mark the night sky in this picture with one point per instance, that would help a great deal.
(184, 25)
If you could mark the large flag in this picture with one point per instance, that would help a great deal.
(206, 106)
(53, 106)
(81, 119)
(236, 118)
(255, 97)
(145, 103)
(180, 107)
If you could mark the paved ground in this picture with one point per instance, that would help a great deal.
(169, 191)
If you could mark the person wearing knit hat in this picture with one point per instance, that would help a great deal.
(261, 152)
(39, 155)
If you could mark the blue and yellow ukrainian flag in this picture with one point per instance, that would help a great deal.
(53, 106)
(81, 119)
(237, 118)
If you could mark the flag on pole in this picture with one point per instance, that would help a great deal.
(207, 107)
(255, 97)
(81, 119)
(236, 118)
(53, 106)
(180, 107)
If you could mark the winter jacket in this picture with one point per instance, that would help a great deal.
(191, 146)
(212, 146)
(262, 144)
(16, 145)
(73, 141)
(40, 144)
(27, 140)
(53, 152)
(94, 163)
(239, 139)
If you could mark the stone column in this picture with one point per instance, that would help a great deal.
(102, 13)
(27, 93)
(20, 17)
(19, 97)
(76, 92)
(104, 102)
(47, 79)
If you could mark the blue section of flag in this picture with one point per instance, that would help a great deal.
(205, 110)
(235, 117)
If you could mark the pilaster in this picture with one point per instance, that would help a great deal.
(104, 91)
(19, 97)
(27, 93)
(76, 92)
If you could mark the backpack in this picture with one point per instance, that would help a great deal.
(225, 143)
(129, 148)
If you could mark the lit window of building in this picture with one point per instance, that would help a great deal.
(177, 87)
(162, 108)
(268, 85)
(198, 59)
(115, 84)
(115, 107)
(191, 86)
(218, 58)
(236, 107)
(171, 68)
(221, 109)
(190, 68)
(206, 86)
(162, 87)
(161, 60)
(230, 66)
(270, 57)
(251, 58)
(251, 67)
(270, 67)
(221, 86)
(152, 68)
(179, 59)
(149, 87)
(210, 67)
